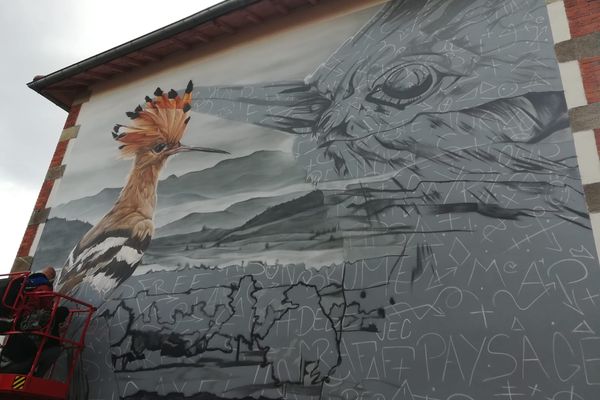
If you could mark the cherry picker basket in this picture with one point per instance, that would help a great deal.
(44, 334)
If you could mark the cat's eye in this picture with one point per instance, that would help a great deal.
(404, 85)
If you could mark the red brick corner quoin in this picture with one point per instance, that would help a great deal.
(583, 16)
(47, 185)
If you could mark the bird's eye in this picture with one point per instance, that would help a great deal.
(404, 85)
(159, 147)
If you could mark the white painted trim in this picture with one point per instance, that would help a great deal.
(572, 84)
(69, 148)
(559, 22)
(587, 156)
(595, 222)
(36, 239)
(53, 192)
(55, 186)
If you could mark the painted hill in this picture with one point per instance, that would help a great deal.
(259, 171)
(58, 238)
(297, 224)
(235, 215)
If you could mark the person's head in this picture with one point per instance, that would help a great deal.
(49, 272)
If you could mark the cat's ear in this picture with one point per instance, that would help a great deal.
(293, 107)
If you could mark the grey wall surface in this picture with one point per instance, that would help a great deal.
(427, 237)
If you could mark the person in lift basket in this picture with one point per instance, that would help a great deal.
(20, 349)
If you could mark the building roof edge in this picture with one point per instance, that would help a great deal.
(40, 84)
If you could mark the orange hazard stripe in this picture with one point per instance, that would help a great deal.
(19, 382)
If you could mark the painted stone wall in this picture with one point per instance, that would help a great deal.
(400, 216)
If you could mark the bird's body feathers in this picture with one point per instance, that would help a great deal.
(104, 261)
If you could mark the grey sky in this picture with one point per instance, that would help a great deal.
(38, 38)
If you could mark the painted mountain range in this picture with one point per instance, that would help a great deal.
(233, 180)
(240, 209)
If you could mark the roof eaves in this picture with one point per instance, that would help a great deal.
(140, 43)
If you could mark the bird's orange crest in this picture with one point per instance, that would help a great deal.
(162, 119)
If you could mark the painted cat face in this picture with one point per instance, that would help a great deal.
(413, 67)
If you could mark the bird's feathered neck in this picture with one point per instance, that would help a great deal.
(140, 191)
(137, 201)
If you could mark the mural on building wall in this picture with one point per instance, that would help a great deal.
(426, 239)
(110, 251)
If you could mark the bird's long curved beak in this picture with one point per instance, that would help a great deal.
(182, 149)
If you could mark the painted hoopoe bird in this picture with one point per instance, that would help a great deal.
(110, 251)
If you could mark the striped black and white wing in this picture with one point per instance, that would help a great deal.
(103, 263)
